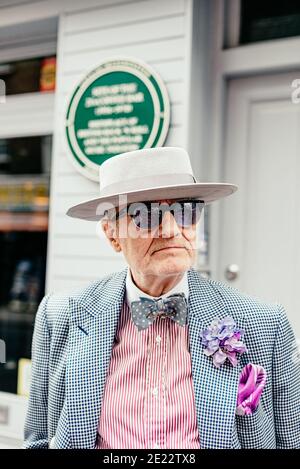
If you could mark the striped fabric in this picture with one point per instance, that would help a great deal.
(149, 399)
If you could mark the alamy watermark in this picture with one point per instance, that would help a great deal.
(295, 96)
(2, 92)
(2, 351)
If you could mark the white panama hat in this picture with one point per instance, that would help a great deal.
(148, 174)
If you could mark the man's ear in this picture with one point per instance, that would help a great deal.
(109, 229)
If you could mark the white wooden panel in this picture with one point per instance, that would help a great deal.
(155, 50)
(86, 267)
(63, 201)
(93, 246)
(171, 70)
(72, 6)
(14, 115)
(139, 32)
(176, 137)
(74, 184)
(28, 51)
(67, 226)
(128, 13)
(10, 3)
(32, 39)
(63, 285)
(29, 32)
(63, 165)
(33, 11)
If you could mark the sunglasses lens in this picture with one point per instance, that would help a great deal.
(142, 214)
(187, 213)
(149, 215)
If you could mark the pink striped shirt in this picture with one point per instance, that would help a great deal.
(148, 398)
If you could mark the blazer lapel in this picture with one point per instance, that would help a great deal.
(92, 330)
(215, 389)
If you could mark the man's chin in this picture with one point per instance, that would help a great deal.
(171, 266)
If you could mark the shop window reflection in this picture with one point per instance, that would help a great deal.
(29, 76)
(24, 203)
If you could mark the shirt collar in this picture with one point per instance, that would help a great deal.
(133, 293)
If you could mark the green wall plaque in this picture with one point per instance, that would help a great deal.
(122, 105)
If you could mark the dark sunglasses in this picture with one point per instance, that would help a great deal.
(149, 215)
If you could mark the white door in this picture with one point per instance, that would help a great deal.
(260, 223)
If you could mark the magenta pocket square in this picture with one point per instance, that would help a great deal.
(251, 384)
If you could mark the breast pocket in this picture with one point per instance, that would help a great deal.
(254, 430)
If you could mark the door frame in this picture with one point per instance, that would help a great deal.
(273, 56)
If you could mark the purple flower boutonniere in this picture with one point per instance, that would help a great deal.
(222, 340)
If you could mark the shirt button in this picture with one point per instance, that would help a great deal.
(155, 391)
(158, 339)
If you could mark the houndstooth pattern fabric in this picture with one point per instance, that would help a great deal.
(72, 344)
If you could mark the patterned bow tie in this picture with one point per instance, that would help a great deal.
(146, 310)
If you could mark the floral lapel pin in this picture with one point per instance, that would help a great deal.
(222, 339)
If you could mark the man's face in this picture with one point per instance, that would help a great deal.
(165, 250)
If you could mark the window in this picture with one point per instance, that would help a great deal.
(262, 20)
(24, 200)
(28, 76)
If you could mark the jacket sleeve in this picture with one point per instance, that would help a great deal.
(286, 385)
(35, 430)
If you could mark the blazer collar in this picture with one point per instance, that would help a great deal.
(133, 293)
(101, 296)
(204, 301)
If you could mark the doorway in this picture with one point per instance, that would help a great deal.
(260, 223)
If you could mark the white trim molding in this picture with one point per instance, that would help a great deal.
(277, 55)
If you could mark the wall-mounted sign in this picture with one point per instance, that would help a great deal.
(120, 106)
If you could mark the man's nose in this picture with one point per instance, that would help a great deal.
(169, 227)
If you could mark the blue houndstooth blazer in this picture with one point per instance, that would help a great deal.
(72, 344)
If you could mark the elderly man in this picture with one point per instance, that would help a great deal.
(157, 356)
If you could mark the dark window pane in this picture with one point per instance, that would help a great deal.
(264, 20)
(24, 199)
(22, 286)
(25, 155)
(28, 76)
